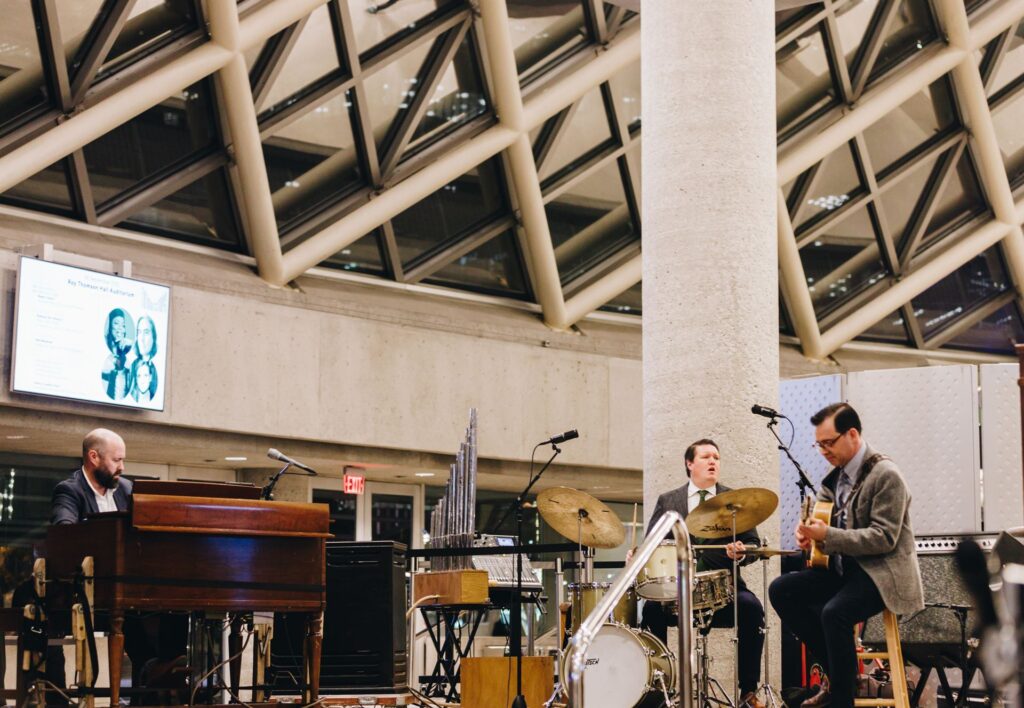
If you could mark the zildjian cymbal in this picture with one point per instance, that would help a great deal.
(713, 518)
(581, 518)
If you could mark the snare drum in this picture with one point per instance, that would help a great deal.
(712, 590)
(585, 596)
(657, 580)
(625, 667)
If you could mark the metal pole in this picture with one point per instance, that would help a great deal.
(584, 636)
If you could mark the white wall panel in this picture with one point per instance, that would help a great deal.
(926, 420)
(1000, 446)
(800, 399)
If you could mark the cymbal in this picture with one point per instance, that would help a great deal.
(762, 551)
(562, 508)
(713, 518)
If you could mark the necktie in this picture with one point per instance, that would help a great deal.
(701, 565)
(842, 492)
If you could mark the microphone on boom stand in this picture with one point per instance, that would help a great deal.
(516, 612)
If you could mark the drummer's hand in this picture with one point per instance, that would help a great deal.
(814, 529)
(801, 539)
(735, 550)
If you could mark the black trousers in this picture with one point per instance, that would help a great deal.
(821, 608)
(657, 619)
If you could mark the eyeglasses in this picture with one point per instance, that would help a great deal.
(826, 444)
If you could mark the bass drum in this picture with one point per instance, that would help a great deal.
(625, 667)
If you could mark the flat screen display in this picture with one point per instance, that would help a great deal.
(89, 336)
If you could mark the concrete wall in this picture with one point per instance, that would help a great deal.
(342, 364)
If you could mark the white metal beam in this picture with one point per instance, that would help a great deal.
(508, 101)
(609, 286)
(94, 122)
(240, 112)
(970, 93)
(793, 280)
(912, 285)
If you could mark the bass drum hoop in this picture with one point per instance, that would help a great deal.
(655, 653)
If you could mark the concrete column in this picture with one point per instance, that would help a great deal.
(710, 269)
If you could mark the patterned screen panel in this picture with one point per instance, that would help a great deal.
(800, 399)
(1000, 446)
(926, 420)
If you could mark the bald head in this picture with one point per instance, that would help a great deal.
(103, 454)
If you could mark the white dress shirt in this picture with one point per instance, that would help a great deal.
(693, 498)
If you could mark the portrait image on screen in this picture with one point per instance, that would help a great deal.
(89, 336)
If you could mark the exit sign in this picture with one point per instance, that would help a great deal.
(353, 483)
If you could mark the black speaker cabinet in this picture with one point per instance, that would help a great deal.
(364, 643)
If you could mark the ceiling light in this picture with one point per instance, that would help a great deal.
(424, 474)
(16, 437)
(236, 459)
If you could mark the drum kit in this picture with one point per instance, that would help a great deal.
(627, 665)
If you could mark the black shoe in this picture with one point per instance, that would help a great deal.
(819, 700)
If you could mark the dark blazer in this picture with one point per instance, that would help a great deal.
(73, 498)
(879, 535)
(676, 500)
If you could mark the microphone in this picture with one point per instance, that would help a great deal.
(278, 455)
(567, 435)
(765, 411)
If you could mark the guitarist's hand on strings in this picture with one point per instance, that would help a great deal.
(801, 539)
(811, 530)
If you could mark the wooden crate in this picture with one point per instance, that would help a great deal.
(454, 587)
(490, 681)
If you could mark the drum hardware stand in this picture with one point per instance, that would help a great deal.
(516, 611)
(659, 679)
(709, 690)
(772, 698)
(735, 618)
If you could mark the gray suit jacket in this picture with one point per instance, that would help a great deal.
(879, 535)
(73, 499)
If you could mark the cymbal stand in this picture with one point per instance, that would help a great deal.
(735, 617)
(586, 568)
(772, 698)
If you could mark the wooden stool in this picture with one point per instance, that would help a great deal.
(897, 671)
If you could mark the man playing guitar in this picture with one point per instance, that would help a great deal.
(873, 564)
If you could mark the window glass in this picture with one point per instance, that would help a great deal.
(493, 267)
(202, 212)
(168, 133)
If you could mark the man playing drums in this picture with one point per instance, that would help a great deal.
(702, 467)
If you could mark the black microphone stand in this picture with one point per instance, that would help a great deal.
(803, 482)
(268, 491)
(515, 628)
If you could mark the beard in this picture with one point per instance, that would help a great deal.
(106, 479)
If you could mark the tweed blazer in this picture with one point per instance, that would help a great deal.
(878, 534)
(73, 498)
(678, 500)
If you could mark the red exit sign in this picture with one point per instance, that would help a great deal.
(353, 483)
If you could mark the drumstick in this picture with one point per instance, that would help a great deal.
(632, 537)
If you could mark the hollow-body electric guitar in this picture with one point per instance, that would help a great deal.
(814, 509)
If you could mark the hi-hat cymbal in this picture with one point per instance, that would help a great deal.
(765, 552)
(580, 517)
(713, 518)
